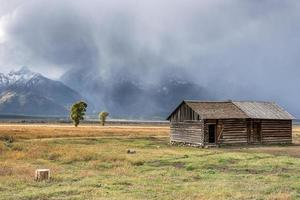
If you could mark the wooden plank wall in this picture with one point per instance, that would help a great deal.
(229, 131)
(276, 131)
(234, 131)
(190, 132)
(183, 113)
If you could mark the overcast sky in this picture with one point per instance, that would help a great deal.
(244, 49)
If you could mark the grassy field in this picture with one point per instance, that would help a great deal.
(90, 162)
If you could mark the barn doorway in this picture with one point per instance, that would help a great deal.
(256, 137)
(211, 133)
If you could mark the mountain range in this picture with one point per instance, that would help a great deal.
(126, 95)
(29, 93)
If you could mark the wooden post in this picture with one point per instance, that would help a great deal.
(42, 174)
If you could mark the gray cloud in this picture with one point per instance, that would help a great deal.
(235, 49)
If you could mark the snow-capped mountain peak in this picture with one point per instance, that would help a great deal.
(4, 80)
(20, 76)
(26, 92)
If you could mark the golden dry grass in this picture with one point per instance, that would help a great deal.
(34, 131)
(90, 162)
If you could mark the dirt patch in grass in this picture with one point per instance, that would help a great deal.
(165, 163)
(123, 183)
(6, 170)
(291, 150)
(178, 165)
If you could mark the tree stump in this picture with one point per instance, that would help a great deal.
(42, 174)
(131, 151)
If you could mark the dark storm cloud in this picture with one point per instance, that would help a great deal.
(235, 49)
(54, 33)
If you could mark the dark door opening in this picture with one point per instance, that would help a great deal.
(212, 133)
(256, 137)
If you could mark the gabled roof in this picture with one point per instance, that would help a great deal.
(237, 110)
(263, 110)
(216, 110)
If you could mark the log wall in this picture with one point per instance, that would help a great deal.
(234, 131)
(190, 132)
(276, 131)
(228, 131)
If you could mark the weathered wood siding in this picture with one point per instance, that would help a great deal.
(228, 131)
(190, 132)
(276, 131)
(234, 131)
(184, 112)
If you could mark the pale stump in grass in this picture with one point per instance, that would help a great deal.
(131, 151)
(42, 174)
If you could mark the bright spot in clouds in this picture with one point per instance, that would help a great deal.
(2, 32)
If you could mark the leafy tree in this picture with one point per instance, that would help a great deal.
(102, 117)
(78, 111)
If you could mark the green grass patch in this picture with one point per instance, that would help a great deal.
(96, 168)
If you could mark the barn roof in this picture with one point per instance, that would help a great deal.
(263, 110)
(216, 110)
(237, 110)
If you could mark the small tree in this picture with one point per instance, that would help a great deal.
(78, 111)
(102, 117)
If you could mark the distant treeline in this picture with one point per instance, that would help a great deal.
(12, 116)
(9, 118)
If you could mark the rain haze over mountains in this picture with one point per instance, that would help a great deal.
(140, 58)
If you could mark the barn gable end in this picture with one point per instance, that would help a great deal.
(183, 113)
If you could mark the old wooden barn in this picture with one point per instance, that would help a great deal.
(230, 122)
